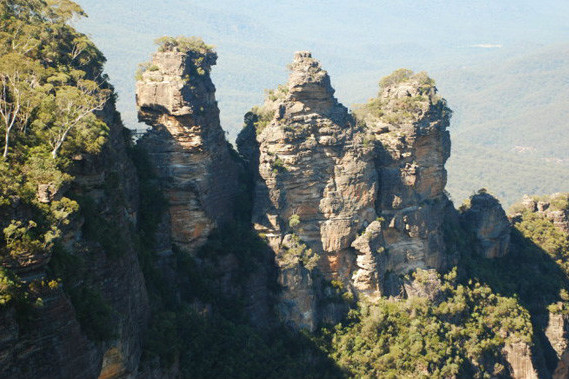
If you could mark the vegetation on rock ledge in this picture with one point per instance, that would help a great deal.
(405, 107)
(183, 44)
(458, 333)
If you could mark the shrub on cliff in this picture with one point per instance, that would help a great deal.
(8, 287)
(403, 75)
(540, 227)
(455, 336)
(202, 56)
(397, 107)
(259, 118)
(183, 44)
(296, 253)
(396, 77)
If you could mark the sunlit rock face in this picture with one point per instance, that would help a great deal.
(186, 145)
(407, 124)
(346, 205)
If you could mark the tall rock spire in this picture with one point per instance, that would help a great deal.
(315, 189)
(407, 123)
(348, 205)
(176, 97)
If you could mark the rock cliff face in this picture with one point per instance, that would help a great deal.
(315, 187)
(519, 357)
(58, 339)
(186, 145)
(345, 201)
(407, 124)
(557, 332)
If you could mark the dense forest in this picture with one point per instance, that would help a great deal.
(52, 87)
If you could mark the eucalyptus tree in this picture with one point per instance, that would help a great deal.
(20, 93)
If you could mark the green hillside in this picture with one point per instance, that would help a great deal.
(509, 130)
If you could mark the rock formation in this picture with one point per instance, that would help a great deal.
(407, 124)
(361, 202)
(554, 207)
(544, 220)
(557, 332)
(187, 147)
(315, 187)
(486, 219)
(519, 357)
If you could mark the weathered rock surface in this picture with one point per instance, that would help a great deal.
(519, 358)
(186, 145)
(366, 200)
(407, 125)
(557, 332)
(313, 183)
(487, 220)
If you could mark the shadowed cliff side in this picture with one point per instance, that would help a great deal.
(212, 277)
(92, 324)
(524, 257)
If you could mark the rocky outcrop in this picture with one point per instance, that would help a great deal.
(407, 124)
(361, 200)
(519, 357)
(186, 145)
(315, 187)
(554, 207)
(486, 219)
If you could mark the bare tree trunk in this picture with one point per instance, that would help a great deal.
(9, 115)
(55, 151)
(7, 143)
(61, 140)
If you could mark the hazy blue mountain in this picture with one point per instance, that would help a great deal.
(510, 125)
(500, 64)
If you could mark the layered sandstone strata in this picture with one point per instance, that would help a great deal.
(186, 145)
(351, 202)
